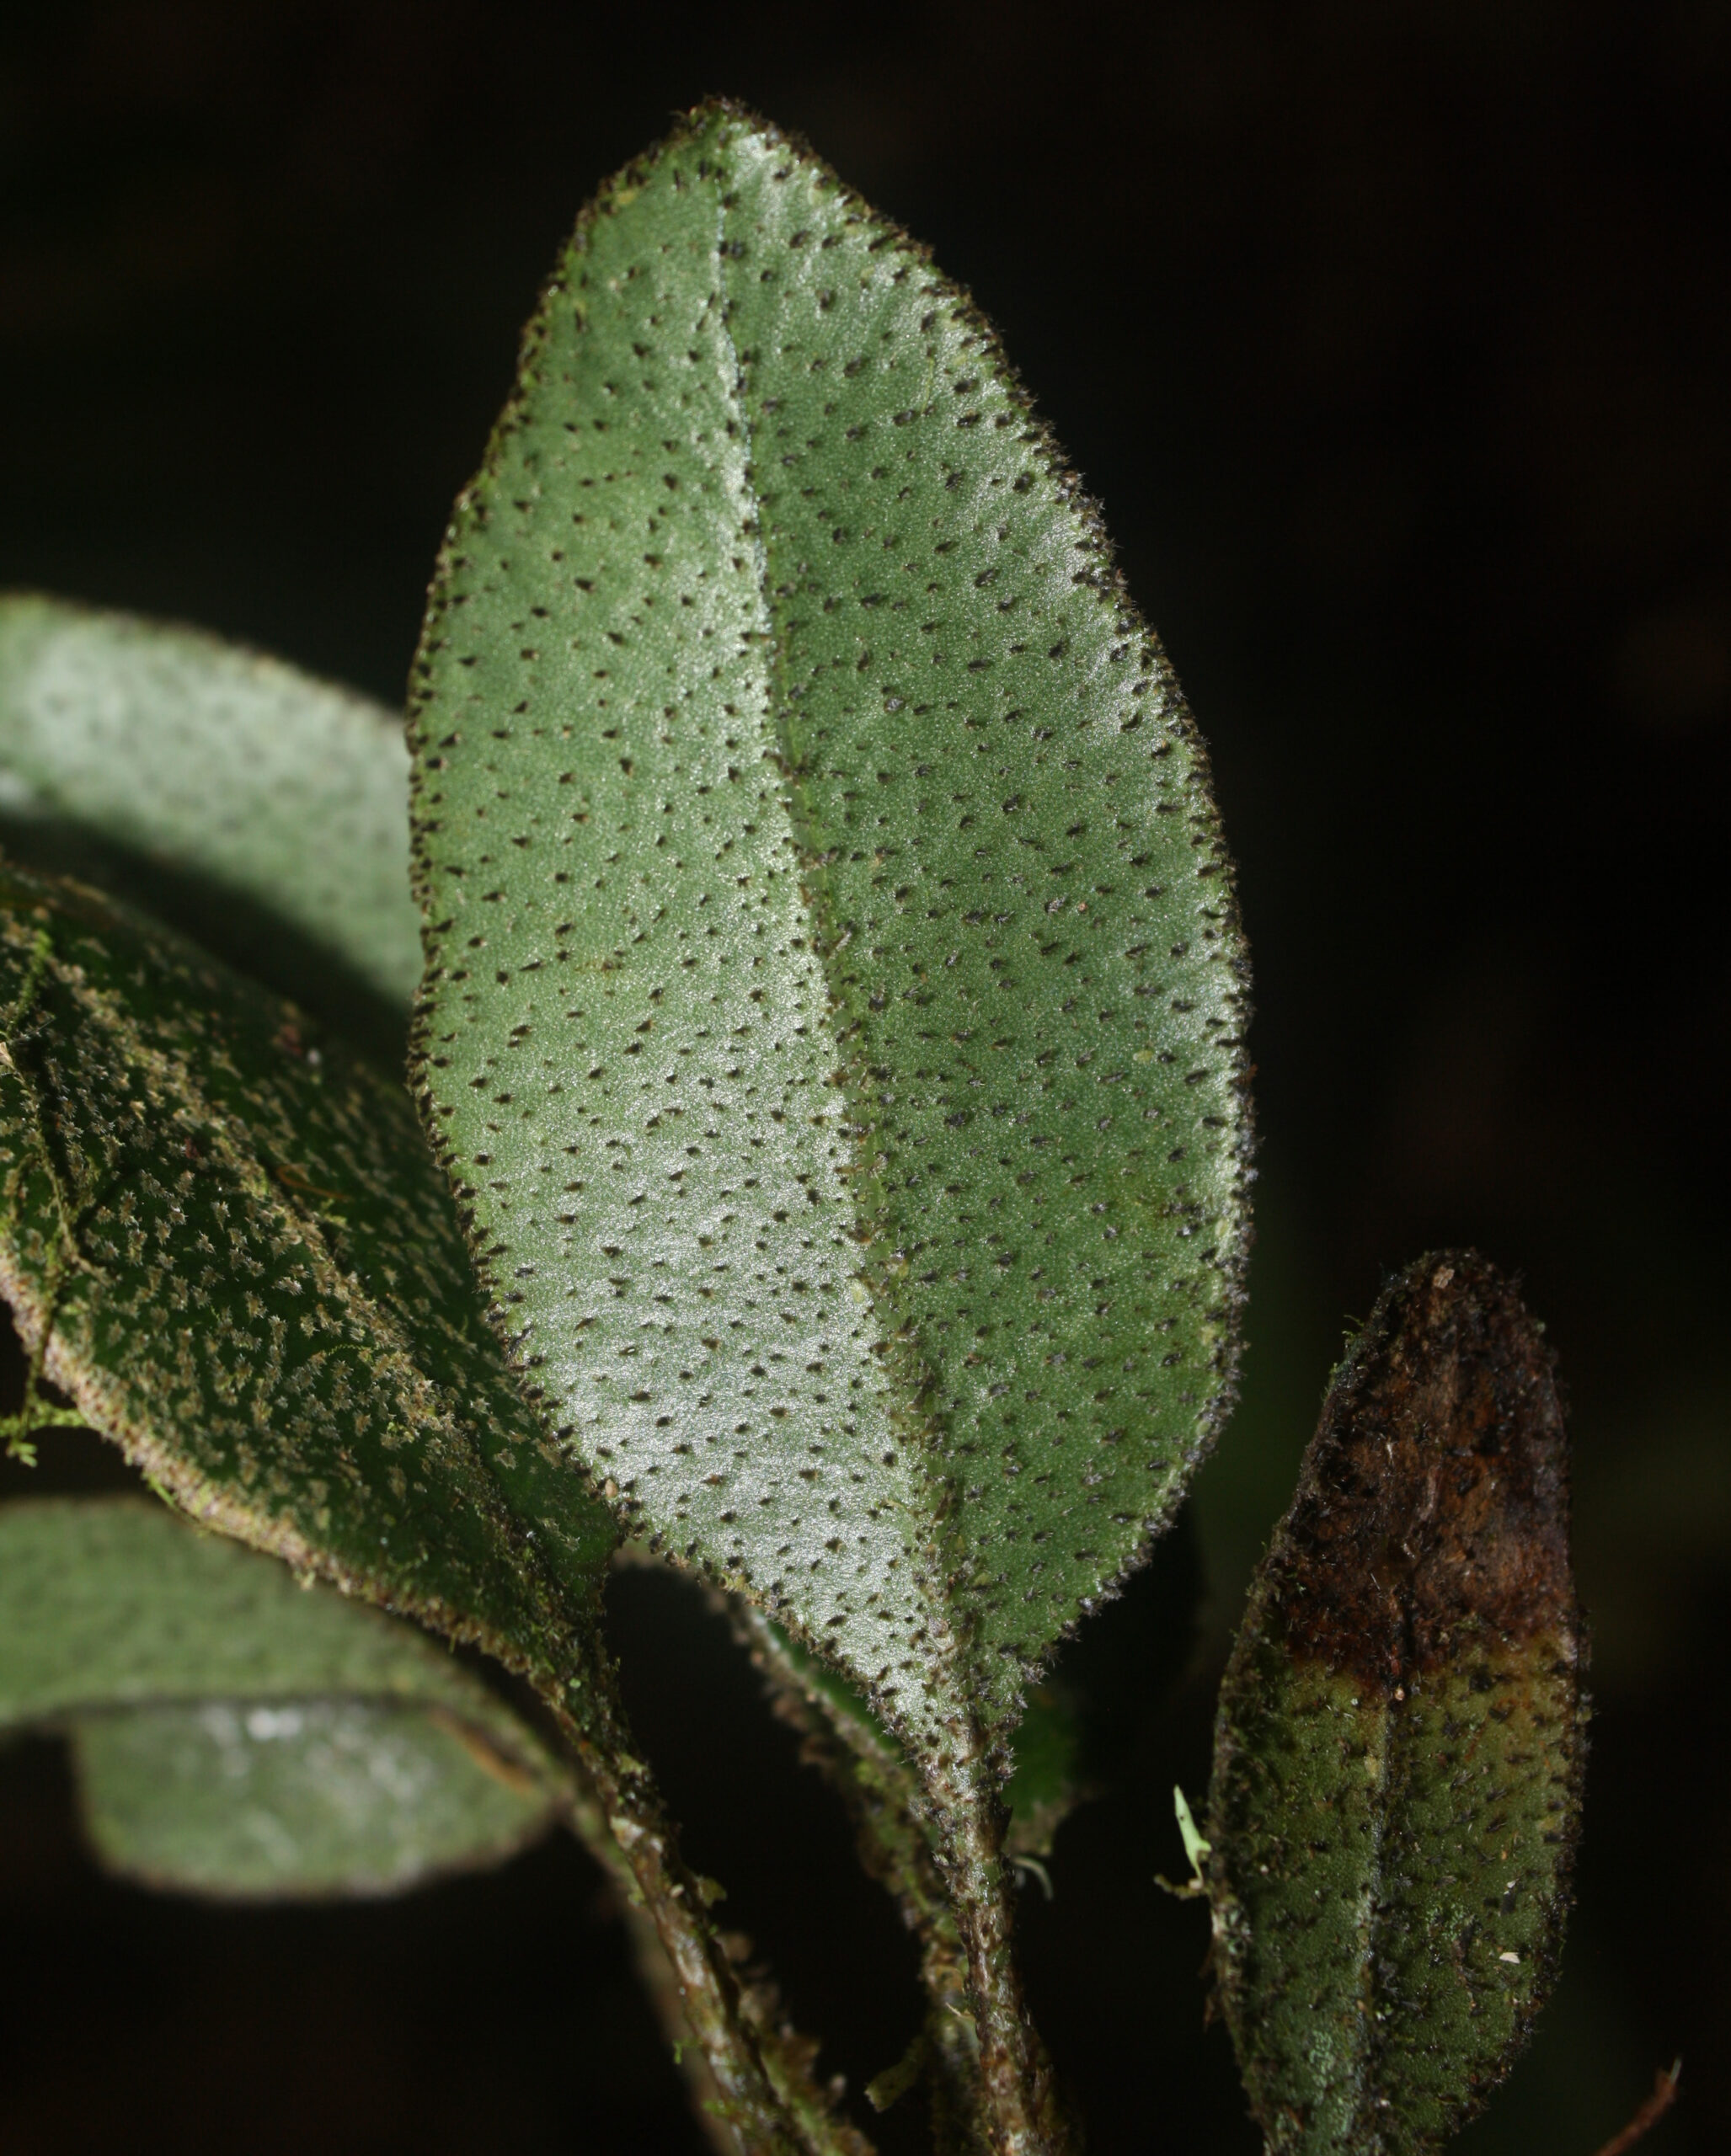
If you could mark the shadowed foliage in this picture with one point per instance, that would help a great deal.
(239, 1733)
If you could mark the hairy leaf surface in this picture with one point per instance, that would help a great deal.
(226, 1240)
(1397, 1763)
(833, 1023)
(261, 810)
(238, 1733)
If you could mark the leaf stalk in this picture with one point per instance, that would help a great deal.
(767, 2102)
(1024, 2113)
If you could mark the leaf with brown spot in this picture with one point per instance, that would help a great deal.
(1400, 1741)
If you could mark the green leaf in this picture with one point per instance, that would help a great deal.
(224, 1236)
(1046, 1785)
(237, 1734)
(315, 1797)
(833, 1017)
(1397, 1762)
(262, 811)
(113, 1602)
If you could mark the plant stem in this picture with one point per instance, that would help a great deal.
(1024, 2116)
(887, 1807)
(586, 1818)
(991, 2079)
(767, 2102)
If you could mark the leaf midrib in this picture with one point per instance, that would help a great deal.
(914, 1426)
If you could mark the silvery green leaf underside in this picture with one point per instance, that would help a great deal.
(834, 1021)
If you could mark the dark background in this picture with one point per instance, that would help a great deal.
(1396, 340)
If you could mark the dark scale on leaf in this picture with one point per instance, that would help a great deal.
(790, 861)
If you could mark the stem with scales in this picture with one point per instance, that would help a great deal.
(941, 1854)
(1025, 2116)
(765, 2102)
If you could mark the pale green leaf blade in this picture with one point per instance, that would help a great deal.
(1399, 1748)
(833, 1023)
(263, 810)
(239, 1733)
(115, 1601)
(227, 1239)
(266, 1801)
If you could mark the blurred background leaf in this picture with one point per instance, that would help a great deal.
(236, 1734)
(116, 1602)
(1394, 343)
(256, 809)
(317, 1797)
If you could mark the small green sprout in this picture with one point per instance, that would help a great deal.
(1195, 1849)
